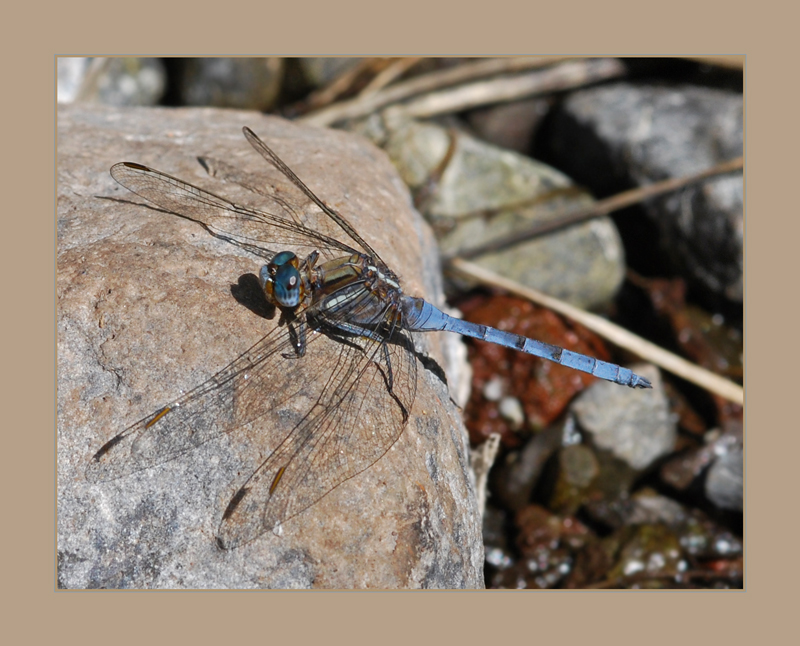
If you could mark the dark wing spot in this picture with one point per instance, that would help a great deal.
(107, 447)
(234, 503)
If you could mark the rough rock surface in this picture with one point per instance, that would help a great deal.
(645, 133)
(147, 310)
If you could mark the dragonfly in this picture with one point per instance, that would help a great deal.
(334, 288)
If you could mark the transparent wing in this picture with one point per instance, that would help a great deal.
(253, 229)
(259, 381)
(255, 183)
(267, 153)
(357, 418)
(333, 412)
(354, 394)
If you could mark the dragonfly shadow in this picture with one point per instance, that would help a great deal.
(123, 200)
(431, 365)
(248, 292)
(428, 363)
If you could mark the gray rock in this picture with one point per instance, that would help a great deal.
(719, 459)
(725, 481)
(518, 474)
(242, 83)
(648, 133)
(111, 81)
(486, 193)
(146, 311)
(634, 425)
(648, 507)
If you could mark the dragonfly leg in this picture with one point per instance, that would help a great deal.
(297, 334)
(388, 361)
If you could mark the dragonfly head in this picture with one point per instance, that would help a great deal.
(281, 281)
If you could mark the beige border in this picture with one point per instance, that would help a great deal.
(40, 613)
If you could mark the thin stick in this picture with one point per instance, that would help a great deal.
(360, 107)
(614, 333)
(568, 75)
(571, 216)
(481, 460)
(339, 85)
(395, 70)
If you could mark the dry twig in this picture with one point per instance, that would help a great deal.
(393, 71)
(338, 86)
(616, 202)
(568, 75)
(361, 107)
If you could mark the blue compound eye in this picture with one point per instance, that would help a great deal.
(283, 258)
(286, 286)
(281, 281)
